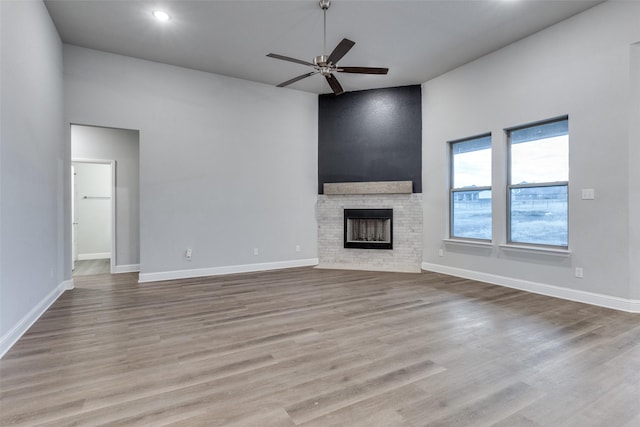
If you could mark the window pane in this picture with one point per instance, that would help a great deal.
(546, 130)
(471, 214)
(472, 163)
(544, 160)
(540, 153)
(539, 215)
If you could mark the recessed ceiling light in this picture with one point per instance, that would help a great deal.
(161, 15)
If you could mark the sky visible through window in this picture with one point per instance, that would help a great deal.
(541, 160)
(472, 169)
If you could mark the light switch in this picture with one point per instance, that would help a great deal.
(588, 194)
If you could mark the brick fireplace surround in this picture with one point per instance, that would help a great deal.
(406, 255)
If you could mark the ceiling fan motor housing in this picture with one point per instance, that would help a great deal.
(321, 60)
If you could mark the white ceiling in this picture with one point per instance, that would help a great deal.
(417, 40)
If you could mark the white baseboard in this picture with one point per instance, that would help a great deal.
(130, 268)
(99, 255)
(13, 335)
(360, 267)
(608, 301)
(218, 271)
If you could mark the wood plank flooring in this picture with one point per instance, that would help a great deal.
(92, 267)
(311, 347)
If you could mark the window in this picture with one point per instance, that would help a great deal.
(470, 190)
(538, 183)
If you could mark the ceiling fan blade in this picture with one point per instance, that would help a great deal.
(363, 70)
(295, 79)
(341, 50)
(335, 85)
(286, 58)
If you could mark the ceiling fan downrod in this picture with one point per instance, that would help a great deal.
(321, 60)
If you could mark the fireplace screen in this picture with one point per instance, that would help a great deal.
(368, 228)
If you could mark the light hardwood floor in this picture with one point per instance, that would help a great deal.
(321, 348)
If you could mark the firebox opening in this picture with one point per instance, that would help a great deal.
(368, 228)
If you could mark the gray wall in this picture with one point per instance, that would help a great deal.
(634, 172)
(226, 165)
(33, 166)
(570, 68)
(121, 145)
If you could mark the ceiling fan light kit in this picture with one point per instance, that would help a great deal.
(327, 65)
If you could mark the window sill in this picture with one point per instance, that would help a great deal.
(474, 243)
(536, 250)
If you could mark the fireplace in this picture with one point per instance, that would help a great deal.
(404, 242)
(368, 228)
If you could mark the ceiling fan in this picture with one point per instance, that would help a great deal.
(327, 65)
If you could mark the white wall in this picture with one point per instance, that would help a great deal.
(226, 165)
(580, 67)
(121, 145)
(93, 210)
(32, 167)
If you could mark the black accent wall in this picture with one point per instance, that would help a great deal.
(371, 135)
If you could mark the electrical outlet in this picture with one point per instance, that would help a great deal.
(187, 254)
(298, 249)
(256, 251)
(579, 272)
(441, 252)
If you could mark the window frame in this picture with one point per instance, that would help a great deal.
(453, 190)
(511, 186)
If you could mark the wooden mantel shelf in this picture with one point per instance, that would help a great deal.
(379, 187)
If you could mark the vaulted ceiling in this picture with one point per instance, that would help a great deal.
(417, 40)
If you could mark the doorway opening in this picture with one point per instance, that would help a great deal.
(93, 209)
(105, 200)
